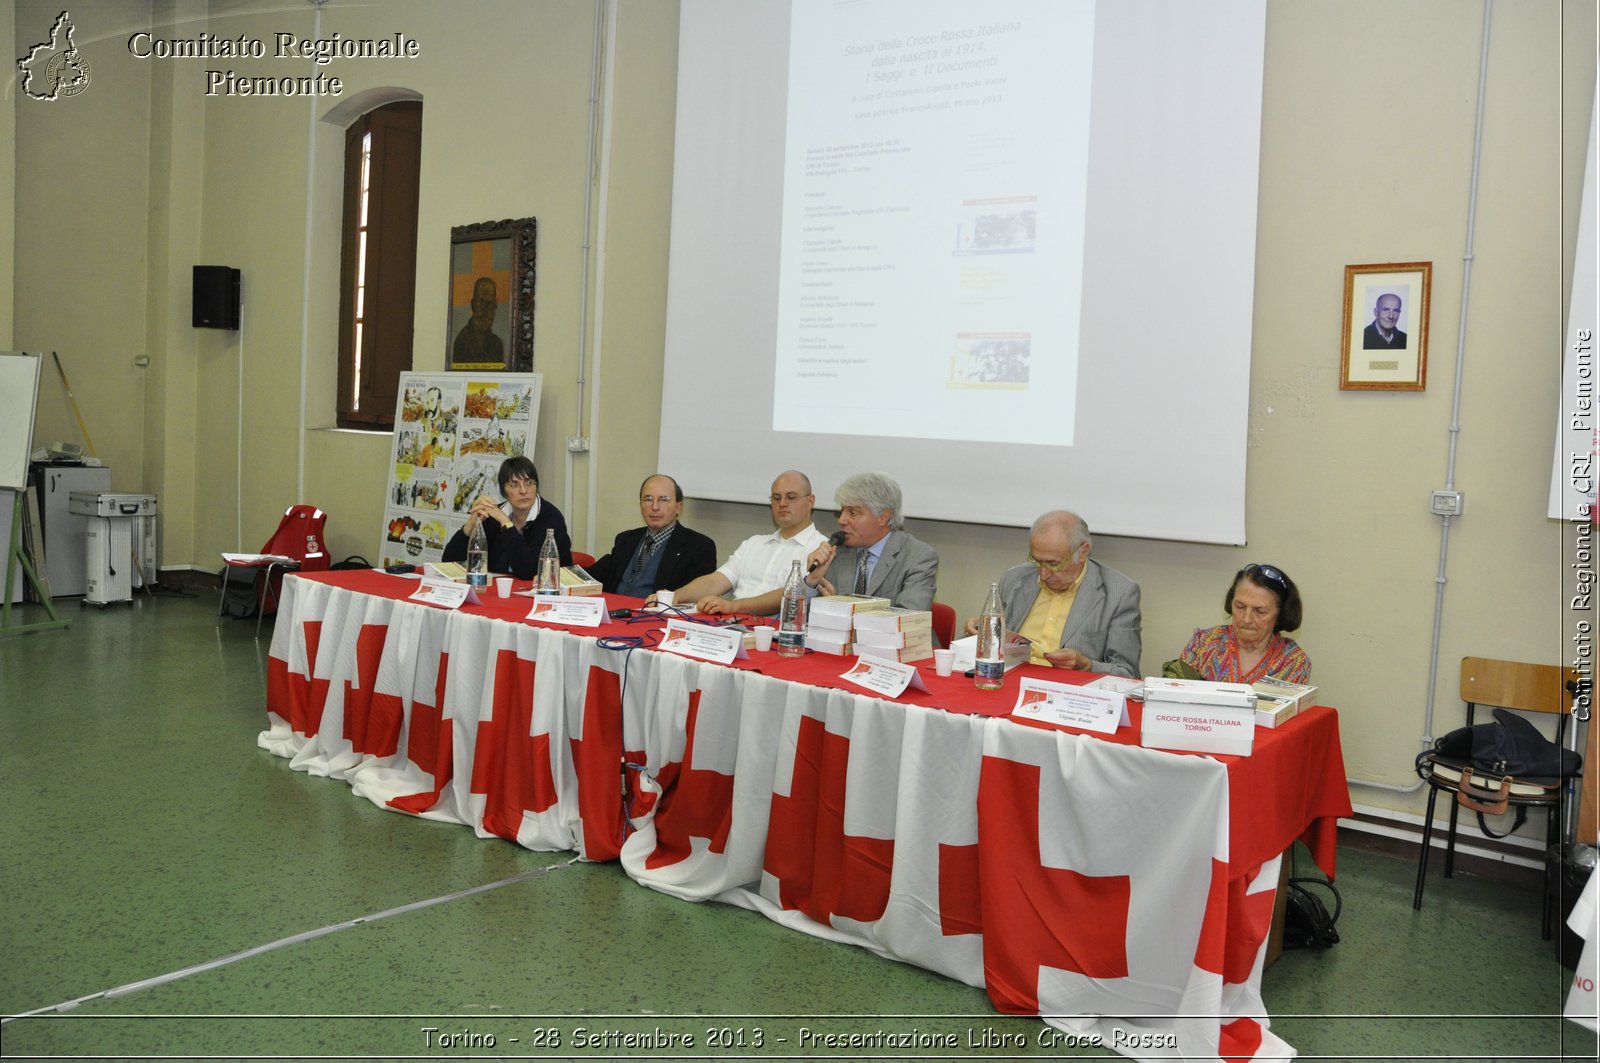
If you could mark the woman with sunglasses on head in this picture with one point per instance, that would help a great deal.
(515, 529)
(1264, 603)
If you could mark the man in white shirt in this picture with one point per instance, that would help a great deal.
(751, 581)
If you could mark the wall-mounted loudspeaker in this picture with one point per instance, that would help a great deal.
(216, 297)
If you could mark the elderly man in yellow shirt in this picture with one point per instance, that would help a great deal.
(1076, 612)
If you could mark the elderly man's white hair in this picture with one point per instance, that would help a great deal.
(875, 491)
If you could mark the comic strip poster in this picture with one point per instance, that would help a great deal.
(451, 432)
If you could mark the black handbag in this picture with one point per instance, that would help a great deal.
(1491, 765)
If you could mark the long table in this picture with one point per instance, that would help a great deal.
(1079, 877)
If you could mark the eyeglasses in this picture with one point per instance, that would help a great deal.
(522, 483)
(1051, 566)
(790, 498)
(1269, 575)
(664, 500)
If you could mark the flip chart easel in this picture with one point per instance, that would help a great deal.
(19, 392)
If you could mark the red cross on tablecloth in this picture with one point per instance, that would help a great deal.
(299, 698)
(694, 803)
(598, 758)
(821, 870)
(428, 745)
(371, 723)
(1031, 916)
(511, 765)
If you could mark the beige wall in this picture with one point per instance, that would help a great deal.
(1366, 156)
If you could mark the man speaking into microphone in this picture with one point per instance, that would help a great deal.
(878, 556)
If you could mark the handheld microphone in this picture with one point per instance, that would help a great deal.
(837, 539)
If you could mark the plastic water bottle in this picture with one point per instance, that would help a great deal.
(790, 640)
(478, 559)
(549, 581)
(990, 667)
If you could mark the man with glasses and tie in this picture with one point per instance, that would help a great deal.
(1076, 612)
(878, 557)
(752, 579)
(663, 553)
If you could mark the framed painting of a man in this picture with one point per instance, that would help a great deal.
(1386, 327)
(492, 269)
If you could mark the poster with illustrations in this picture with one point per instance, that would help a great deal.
(451, 432)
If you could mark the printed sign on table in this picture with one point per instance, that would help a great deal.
(1085, 708)
(704, 642)
(573, 612)
(446, 594)
(885, 677)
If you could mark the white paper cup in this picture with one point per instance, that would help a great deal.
(663, 598)
(502, 586)
(763, 637)
(944, 661)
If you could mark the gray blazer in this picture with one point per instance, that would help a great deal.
(905, 574)
(1104, 622)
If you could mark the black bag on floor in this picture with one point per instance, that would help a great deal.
(239, 595)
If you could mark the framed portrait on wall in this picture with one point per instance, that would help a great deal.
(1386, 327)
(492, 269)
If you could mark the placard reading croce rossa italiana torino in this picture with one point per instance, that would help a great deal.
(451, 432)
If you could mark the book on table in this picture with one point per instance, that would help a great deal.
(895, 618)
(830, 626)
(905, 655)
(576, 581)
(1279, 701)
(847, 605)
(823, 640)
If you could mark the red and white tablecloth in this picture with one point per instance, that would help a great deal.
(1103, 886)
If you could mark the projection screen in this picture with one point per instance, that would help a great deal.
(1004, 252)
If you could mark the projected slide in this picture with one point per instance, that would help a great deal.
(934, 182)
(1004, 252)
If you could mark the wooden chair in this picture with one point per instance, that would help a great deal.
(1543, 688)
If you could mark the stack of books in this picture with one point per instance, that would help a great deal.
(903, 635)
(830, 623)
(852, 623)
(1279, 701)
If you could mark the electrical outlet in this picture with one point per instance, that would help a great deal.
(1446, 503)
(578, 445)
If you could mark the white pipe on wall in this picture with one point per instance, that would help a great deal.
(585, 252)
(305, 273)
(1441, 577)
(603, 179)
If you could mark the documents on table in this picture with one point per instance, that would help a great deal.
(573, 612)
(702, 641)
(1085, 708)
(881, 676)
(258, 559)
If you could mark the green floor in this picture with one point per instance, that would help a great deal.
(144, 834)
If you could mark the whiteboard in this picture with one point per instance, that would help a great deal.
(19, 391)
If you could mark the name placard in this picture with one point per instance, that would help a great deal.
(703, 642)
(888, 678)
(443, 593)
(569, 612)
(1085, 708)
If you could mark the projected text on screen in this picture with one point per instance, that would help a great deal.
(934, 184)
